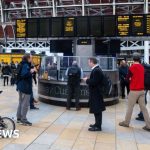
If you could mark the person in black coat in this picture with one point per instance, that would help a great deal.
(123, 71)
(96, 102)
(6, 70)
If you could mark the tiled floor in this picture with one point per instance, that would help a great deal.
(54, 128)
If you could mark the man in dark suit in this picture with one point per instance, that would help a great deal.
(96, 102)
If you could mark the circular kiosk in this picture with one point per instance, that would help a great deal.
(52, 87)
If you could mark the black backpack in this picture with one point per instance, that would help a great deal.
(107, 85)
(74, 74)
(147, 76)
(18, 72)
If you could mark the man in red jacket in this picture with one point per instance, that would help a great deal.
(136, 77)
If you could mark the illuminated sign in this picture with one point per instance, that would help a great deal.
(147, 24)
(123, 25)
(69, 26)
(21, 28)
(137, 25)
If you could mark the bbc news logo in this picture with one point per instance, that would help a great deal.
(9, 134)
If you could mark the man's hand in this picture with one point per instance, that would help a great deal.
(33, 70)
(84, 79)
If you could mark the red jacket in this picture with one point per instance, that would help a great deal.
(136, 77)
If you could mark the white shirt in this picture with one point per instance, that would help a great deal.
(95, 66)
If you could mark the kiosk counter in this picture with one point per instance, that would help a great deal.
(52, 87)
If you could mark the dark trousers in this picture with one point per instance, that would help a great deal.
(73, 92)
(98, 119)
(141, 114)
(31, 101)
(124, 85)
(34, 78)
(6, 79)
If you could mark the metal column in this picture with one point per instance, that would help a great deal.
(83, 8)
(54, 8)
(27, 11)
(146, 43)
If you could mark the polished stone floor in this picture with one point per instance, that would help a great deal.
(54, 128)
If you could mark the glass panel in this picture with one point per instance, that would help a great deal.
(54, 67)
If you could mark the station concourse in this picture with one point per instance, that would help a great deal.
(71, 71)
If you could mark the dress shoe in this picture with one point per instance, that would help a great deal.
(140, 119)
(93, 129)
(78, 108)
(34, 108)
(123, 124)
(68, 108)
(92, 125)
(146, 129)
(35, 101)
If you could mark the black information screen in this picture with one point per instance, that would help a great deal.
(137, 25)
(123, 25)
(61, 46)
(69, 26)
(109, 26)
(44, 27)
(95, 26)
(101, 47)
(56, 27)
(115, 46)
(147, 24)
(32, 28)
(82, 26)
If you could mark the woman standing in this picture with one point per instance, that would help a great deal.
(6, 71)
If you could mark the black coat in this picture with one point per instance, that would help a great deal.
(6, 70)
(96, 102)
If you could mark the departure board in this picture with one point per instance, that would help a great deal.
(137, 25)
(82, 26)
(69, 26)
(147, 17)
(21, 28)
(109, 26)
(95, 26)
(32, 28)
(123, 25)
(44, 27)
(56, 27)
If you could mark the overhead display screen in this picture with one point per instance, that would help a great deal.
(101, 47)
(147, 24)
(32, 28)
(61, 46)
(69, 26)
(56, 27)
(123, 22)
(137, 25)
(21, 28)
(44, 27)
(95, 26)
(82, 26)
(109, 26)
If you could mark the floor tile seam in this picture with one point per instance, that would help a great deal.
(61, 131)
(80, 132)
(45, 130)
